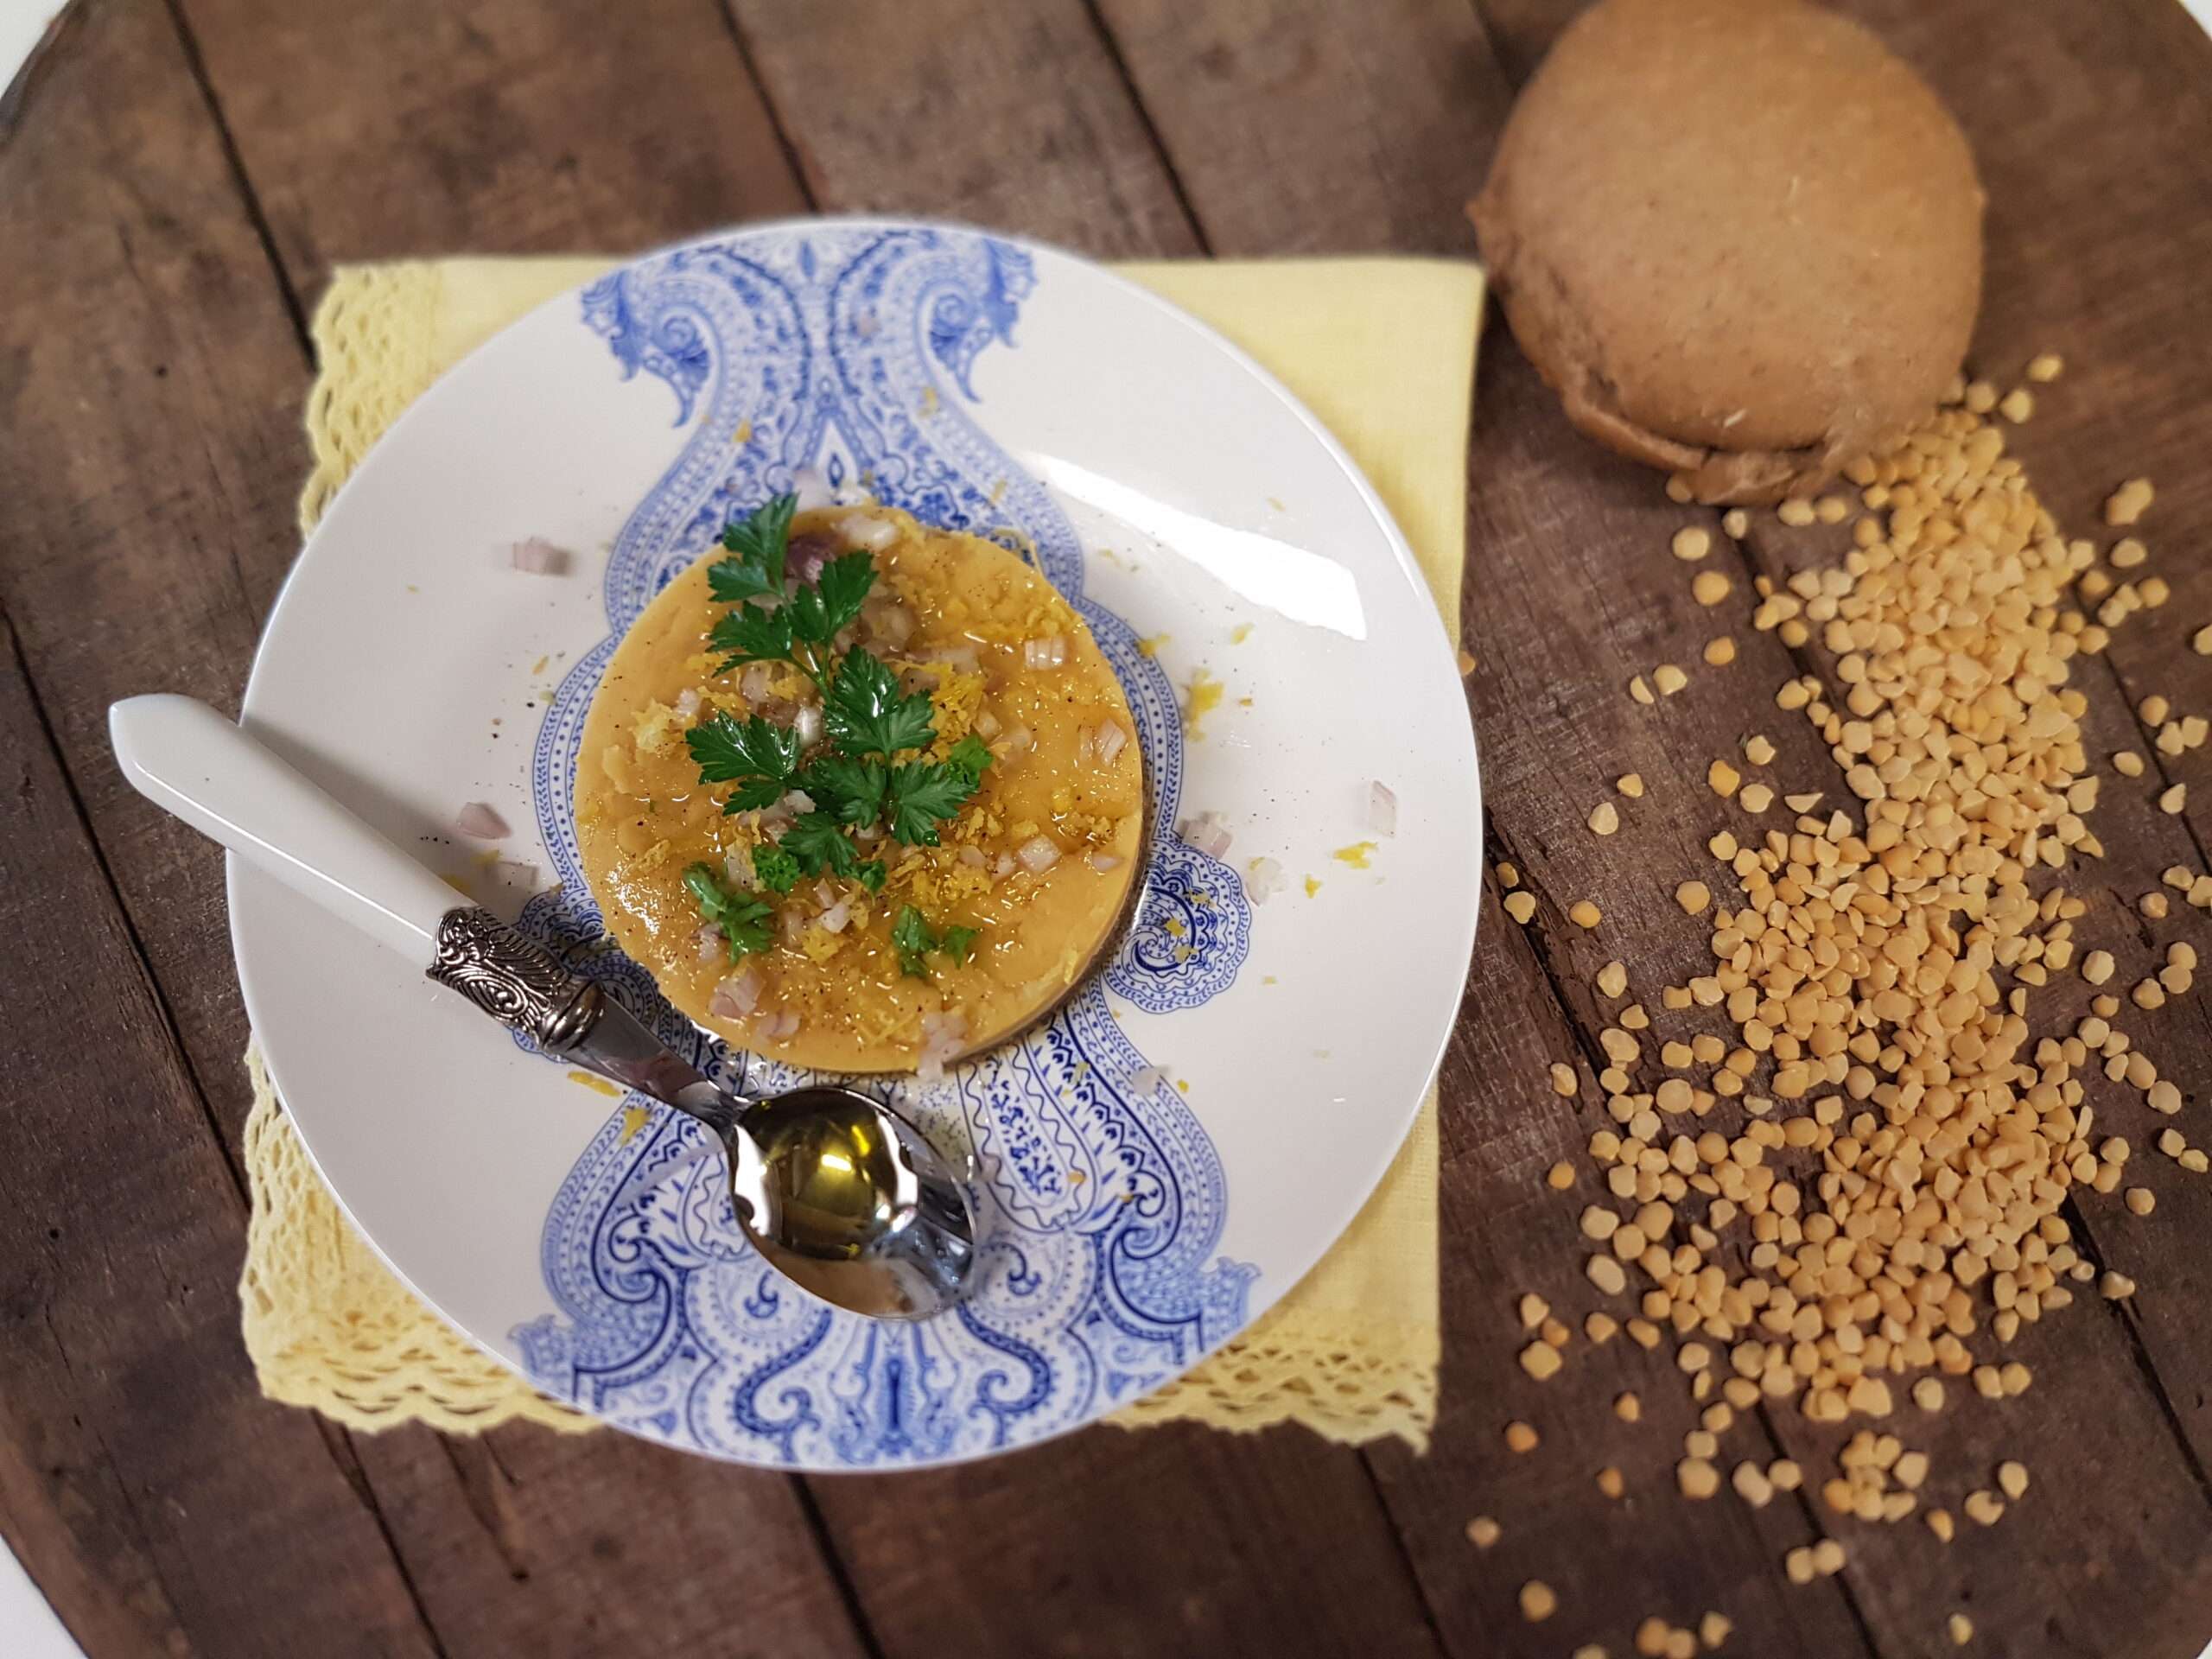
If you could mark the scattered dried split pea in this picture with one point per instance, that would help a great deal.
(1609, 1482)
(1519, 1437)
(2018, 405)
(1693, 897)
(1482, 1532)
(1508, 874)
(1628, 1408)
(2172, 801)
(1639, 690)
(1827, 1557)
(2116, 1286)
(2127, 504)
(1983, 1508)
(1560, 1176)
(1692, 542)
(1757, 750)
(2201, 641)
(1612, 979)
(1605, 818)
(1532, 1310)
(2013, 1478)
(1754, 797)
(1697, 1478)
(1710, 587)
(1962, 1630)
(1737, 523)
(2126, 553)
(1582, 914)
(1720, 652)
(1520, 906)
(2141, 1200)
(1564, 1081)
(2045, 366)
(2153, 711)
(1796, 512)
(1537, 1601)
(2127, 764)
(1679, 490)
(1980, 398)
(2097, 967)
(1722, 779)
(1630, 783)
(1714, 1629)
(1668, 678)
(1939, 1522)
(1541, 1360)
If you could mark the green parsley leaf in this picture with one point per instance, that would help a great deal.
(971, 755)
(759, 540)
(755, 795)
(743, 920)
(819, 842)
(870, 874)
(911, 939)
(850, 789)
(750, 634)
(921, 794)
(958, 943)
(776, 867)
(865, 712)
(727, 749)
(818, 613)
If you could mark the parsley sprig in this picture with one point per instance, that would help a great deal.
(743, 920)
(856, 778)
(913, 939)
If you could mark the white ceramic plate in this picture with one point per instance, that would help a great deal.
(1171, 488)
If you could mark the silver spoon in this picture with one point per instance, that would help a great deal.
(839, 1193)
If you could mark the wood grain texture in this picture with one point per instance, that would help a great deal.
(151, 356)
(142, 1466)
(500, 126)
(1013, 116)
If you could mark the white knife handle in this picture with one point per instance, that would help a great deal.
(187, 760)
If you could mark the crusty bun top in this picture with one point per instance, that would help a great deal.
(1740, 236)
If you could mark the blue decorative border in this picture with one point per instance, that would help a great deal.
(850, 352)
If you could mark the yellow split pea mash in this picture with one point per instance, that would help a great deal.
(1040, 861)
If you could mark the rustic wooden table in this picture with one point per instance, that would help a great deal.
(175, 183)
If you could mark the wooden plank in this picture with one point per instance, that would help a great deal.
(1013, 116)
(152, 385)
(1551, 516)
(528, 1542)
(143, 1470)
(390, 132)
(145, 529)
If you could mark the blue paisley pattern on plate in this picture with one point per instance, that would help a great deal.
(851, 352)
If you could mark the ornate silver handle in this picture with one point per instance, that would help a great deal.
(516, 981)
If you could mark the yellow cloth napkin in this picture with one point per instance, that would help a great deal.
(1382, 350)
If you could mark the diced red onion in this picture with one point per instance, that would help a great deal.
(986, 725)
(868, 832)
(479, 822)
(824, 895)
(862, 529)
(1038, 855)
(515, 873)
(811, 488)
(1206, 834)
(539, 557)
(790, 924)
(1086, 745)
(1018, 741)
(961, 657)
(837, 918)
(892, 625)
(709, 943)
(753, 683)
(1103, 862)
(942, 1036)
(1263, 878)
(1382, 809)
(1147, 1080)
(1112, 740)
(1048, 652)
(798, 801)
(972, 857)
(737, 995)
(1005, 865)
(737, 865)
(806, 725)
(687, 703)
(806, 554)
